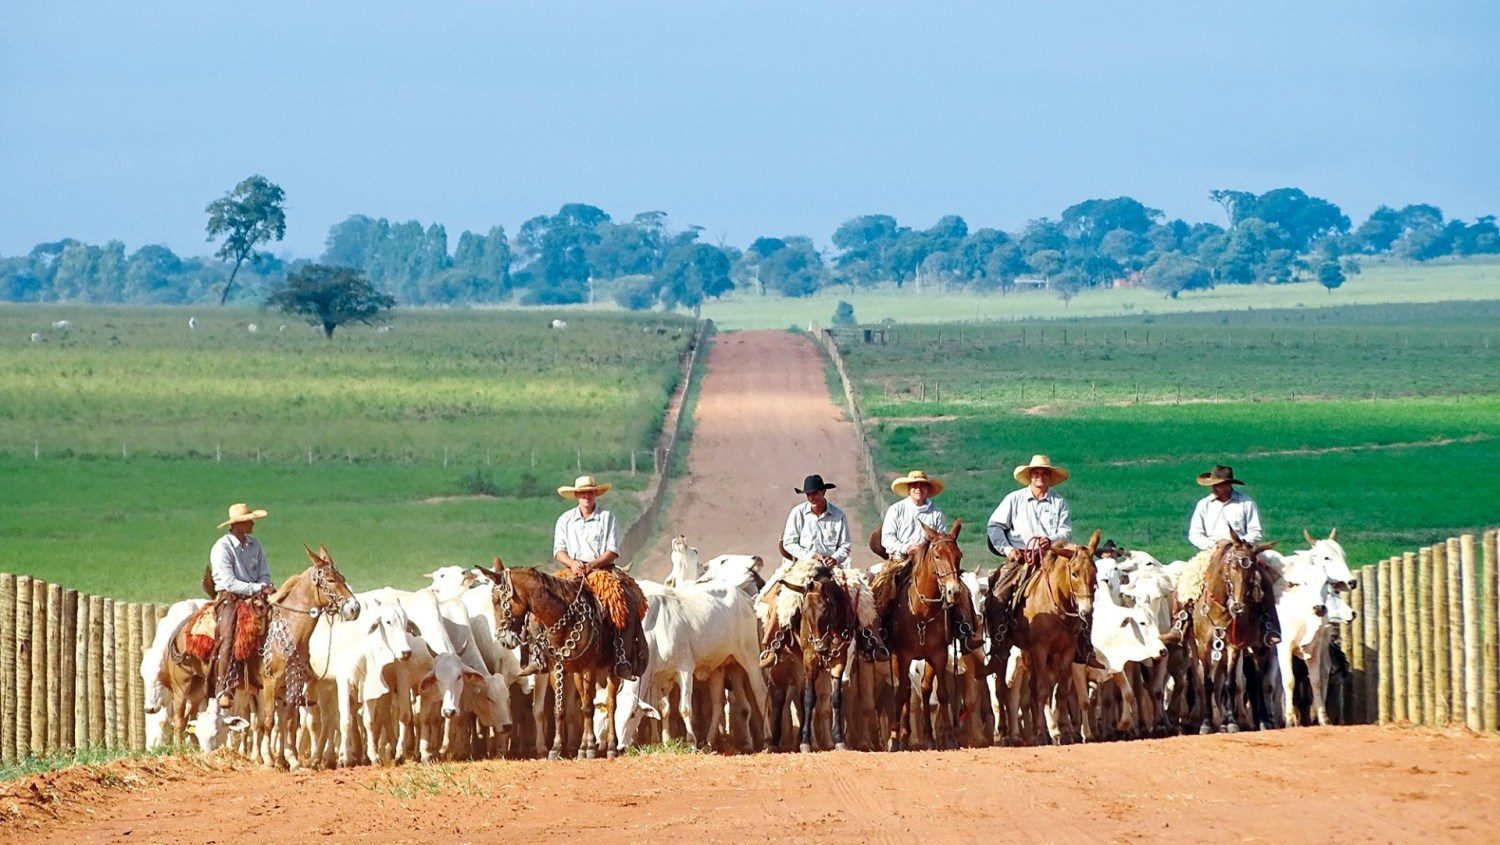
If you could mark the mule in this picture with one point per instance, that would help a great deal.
(296, 609)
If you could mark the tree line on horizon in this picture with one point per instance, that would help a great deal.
(582, 254)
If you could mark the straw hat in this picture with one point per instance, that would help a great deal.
(1023, 472)
(902, 485)
(583, 484)
(240, 512)
(1218, 475)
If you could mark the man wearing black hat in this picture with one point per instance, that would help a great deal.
(817, 529)
(1222, 510)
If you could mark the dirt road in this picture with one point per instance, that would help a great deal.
(1360, 783)
(764, 420)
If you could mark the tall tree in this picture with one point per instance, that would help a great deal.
(248, 216)
(328, 297)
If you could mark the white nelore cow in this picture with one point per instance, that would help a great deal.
(347, 663)
(1309, 604)
(694, 632)
(446, 680)
(450, 582)
(741, 571)
(559, 324)
(684, 563)
(1123, 638)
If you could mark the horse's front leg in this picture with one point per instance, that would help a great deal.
(559, 714)
(611, 736)
(930, 674)
(835, 682)
(809, 704)
(1081, 699)
(775, 711)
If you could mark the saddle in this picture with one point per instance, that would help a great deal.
(202, 629)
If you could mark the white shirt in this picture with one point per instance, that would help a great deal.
(239, 568)
(902, 527)
(1212, 520)
(1022, 516)
(586, 538)
(807, 534)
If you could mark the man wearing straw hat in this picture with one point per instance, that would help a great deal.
(901, 531)
(1033, 518)
(586, 540)
(1215, 514)
(238, 568)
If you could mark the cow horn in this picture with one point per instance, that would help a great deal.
(1309, 537)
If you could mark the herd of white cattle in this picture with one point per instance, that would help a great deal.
(422, 675)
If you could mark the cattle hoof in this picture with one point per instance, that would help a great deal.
(1231, 728)
(892, 746)
(554, 755)
(592, 754)
(611, 754)
(1267, 726)
(805, 748)
(840, 746)
(1204, 729)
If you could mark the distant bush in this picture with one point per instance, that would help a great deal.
(843, 315)
(477, 482)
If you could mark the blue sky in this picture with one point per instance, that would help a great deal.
(125, 120)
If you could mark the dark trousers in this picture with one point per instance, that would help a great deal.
(228, 605)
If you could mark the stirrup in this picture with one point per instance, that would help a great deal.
(767, 658)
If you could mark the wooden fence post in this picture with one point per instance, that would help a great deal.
(54, 677)
(8, 667)
(82, 738)
(1399, 676)
(24, 645)
(1441, 656)
(38, 667)
(67, 648)
(111, 737)
(1489, 668)
(1354, 646)
(1370, 587)
(98, 732)
(1428, 691)
(1455, 634)
(134, 724)
(1385, 692)
(1473, 709)
(121, 675)
(1413, 645)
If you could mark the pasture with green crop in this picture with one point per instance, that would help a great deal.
(1375, 420)
(1379, 282)
(124, 437)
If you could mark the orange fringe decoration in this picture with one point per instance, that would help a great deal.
(616, 591)
(247, 631)
(200, 633)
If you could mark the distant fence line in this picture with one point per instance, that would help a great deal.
(634, 538)
(829, 342)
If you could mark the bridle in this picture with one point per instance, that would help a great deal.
(833, 641)
(327, 591)
(568, 630)
(939, 574)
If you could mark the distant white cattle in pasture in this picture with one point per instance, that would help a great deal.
(252, 328)
(192, 324)
(36, 337)
(559, 324)
(63, 325)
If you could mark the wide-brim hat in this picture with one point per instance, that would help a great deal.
(1218, 475)
(902, 485)
(1109, 548)
(1023, 472)
(241, 512)
(812, 484)
(583, 484)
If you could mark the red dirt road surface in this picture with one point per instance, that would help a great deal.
(764, 420)
(1356, 783)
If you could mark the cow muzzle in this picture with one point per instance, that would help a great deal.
(349, 609)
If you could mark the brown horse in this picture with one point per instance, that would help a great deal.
(817, 644)
(1225, 631)
(1056, 605)
(318, 591)
(921, 627)
(574, 641)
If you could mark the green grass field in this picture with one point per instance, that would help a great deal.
(404, 427)
(1381, 421)
(1379, 283)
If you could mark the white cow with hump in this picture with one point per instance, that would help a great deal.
(209, 726)
(1126, 633)
(1310, 603)
(347, 664)
(445, 681)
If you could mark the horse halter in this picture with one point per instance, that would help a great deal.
(940, 575)
(501, 595)
(327, 590)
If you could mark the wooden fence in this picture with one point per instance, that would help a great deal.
(70, 669)
(1423, 649)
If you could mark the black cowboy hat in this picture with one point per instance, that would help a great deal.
(1109, 548)
(812, 484)
(1219, 475)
